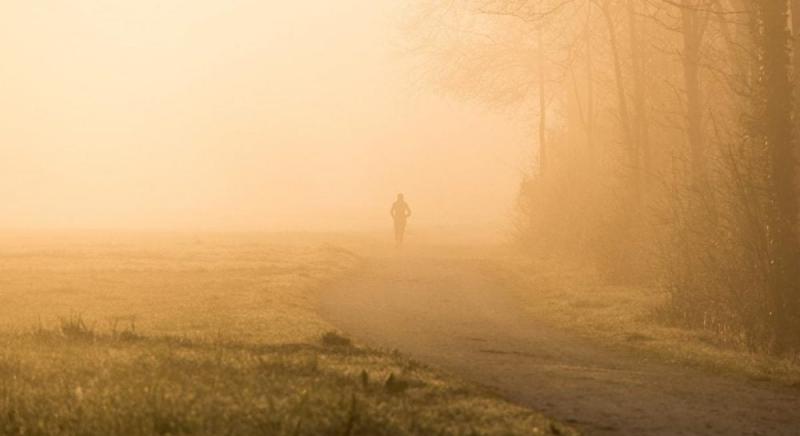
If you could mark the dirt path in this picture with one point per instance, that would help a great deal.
(443, 311)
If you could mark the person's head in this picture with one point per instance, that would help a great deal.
(399, 197)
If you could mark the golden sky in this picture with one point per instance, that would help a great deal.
(262, 115)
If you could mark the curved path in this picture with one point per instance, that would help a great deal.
(443, 311)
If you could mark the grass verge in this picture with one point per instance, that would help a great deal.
(60, 383)
(630, 317)
(208, 334)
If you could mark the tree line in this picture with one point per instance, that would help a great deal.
(666, 142)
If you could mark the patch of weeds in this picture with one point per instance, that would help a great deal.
(395, 384)
(128, 332)
(352, 416)
(334, 339)
(412, 365)
(73, 327)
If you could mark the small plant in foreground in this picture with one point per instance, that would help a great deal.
(75, 328)
(395, 385)
(125, 334)
(333, 339)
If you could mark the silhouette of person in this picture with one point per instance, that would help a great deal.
(400, 213)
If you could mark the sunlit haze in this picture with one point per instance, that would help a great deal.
(236, 115)
(400, 217)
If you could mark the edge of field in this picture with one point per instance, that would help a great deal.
(64, 378)
(628, 317)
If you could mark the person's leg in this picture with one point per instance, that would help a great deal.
(400, 232)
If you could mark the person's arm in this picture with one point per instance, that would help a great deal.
(408, 211)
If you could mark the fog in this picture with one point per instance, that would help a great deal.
(398, 217)
(237, 115)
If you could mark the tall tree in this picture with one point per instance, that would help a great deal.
(542, 103)
(796, 57)
(641, 127)
(796, 37)
(628, 139)
(590, 116)
(778, 141)
(694, 21)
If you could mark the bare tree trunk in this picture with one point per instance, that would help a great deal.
(796, 71)
(778, 140)
(739, 43)
(796, 47)
(641, 126)
(624, 114)
(590, 82)
(796, 44)
(693, 25)
(542, 109)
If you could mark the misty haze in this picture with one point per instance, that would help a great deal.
(400, 217)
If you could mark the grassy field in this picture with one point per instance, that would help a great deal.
(104, 334)
(630, 317)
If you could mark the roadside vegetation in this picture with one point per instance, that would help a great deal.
(633, 318)
(666, 147)
(208, 334)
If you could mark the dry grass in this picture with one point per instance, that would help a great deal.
(165, 385)
(207, 334)
(630, 317)
(247, 288)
